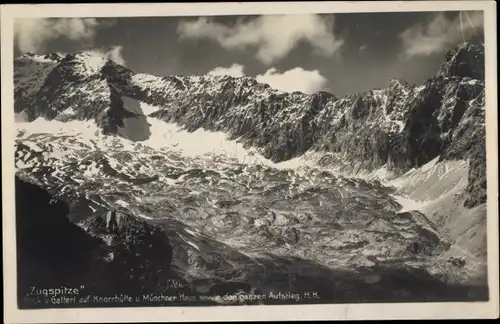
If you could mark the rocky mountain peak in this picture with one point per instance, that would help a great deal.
(392, 82)
(465, 60)
(32, 57)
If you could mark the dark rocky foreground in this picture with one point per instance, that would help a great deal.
(102, 260)
(133, 259)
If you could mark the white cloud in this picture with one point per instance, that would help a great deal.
(115, 54)
(274, 36)
(296, 79)
(33, 33)
(235, 70)
(439, 33)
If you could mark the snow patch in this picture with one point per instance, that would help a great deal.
(32, 146)
(193, 245)
(149, 109)
(91, 170)
(199, 143)
(191, 232)
(408, 204)
(143, 216)
(21, 117)
(122, 203)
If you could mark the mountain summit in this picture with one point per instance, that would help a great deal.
(466, 60)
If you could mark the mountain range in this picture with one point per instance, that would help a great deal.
(400, 126)
(402, 129)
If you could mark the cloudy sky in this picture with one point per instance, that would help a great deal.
(341, 53)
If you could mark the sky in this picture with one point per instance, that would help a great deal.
(342, 53)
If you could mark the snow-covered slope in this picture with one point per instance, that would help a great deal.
(245, 178)
(400, 126)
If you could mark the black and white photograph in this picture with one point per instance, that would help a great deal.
(260, 159)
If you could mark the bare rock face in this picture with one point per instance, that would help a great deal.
(466, 60)
(138, 252)
(105, 257)
(124, 118)
(48, 243)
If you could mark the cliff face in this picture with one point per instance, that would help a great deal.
(103, 257)
(400, 126)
